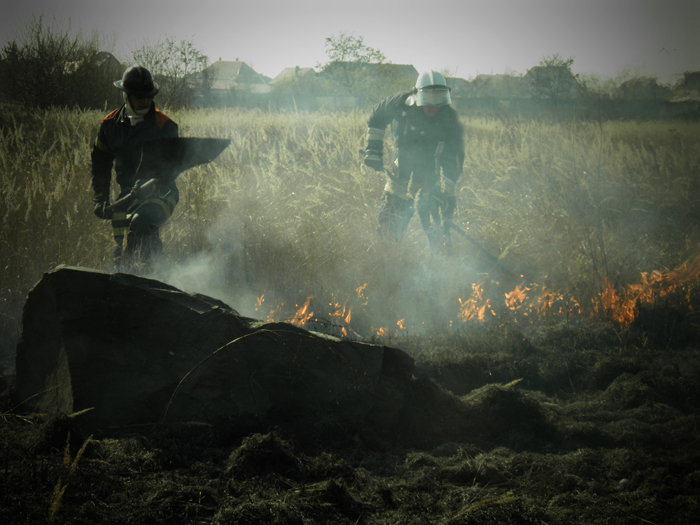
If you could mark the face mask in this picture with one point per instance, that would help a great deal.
(135, 116)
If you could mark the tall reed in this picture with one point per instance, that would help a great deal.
(289, 211)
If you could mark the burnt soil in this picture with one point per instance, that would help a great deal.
(557, 424)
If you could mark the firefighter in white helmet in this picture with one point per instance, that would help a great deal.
(429, 156)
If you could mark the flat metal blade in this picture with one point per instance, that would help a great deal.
(167, 158)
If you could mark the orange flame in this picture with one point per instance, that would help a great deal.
(475, 307)
(623, 308)
(536, 300)
(517, 297)
(303, 315)
(526, 302)
(360, 294)
(270, 317)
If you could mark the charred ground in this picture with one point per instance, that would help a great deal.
(557, 424)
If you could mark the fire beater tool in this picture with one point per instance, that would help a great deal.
(163, 160)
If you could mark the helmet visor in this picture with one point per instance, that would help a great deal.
(433, 97)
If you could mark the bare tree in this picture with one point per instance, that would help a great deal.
(359, 70)
(553, 79)
(176, 66)
(349, 48)
(47, 66)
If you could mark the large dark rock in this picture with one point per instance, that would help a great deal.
(138, 352)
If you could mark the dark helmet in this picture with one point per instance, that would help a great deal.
(137, 81)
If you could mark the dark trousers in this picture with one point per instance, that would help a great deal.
(395, 213)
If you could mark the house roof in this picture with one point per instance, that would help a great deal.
(226, 75)
(501, 85)
(290, 73)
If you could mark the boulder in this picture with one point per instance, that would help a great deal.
(137, 352)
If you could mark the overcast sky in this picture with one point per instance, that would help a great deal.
(467, 37)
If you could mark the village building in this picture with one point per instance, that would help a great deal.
(341, 86)
(234, 83)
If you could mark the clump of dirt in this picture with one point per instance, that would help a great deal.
(264, 454)
(567, 424)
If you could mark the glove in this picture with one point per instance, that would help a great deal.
(100, 210)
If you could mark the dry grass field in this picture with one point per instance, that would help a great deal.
(288, 212)
(537, 399)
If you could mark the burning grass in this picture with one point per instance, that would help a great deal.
(595, 217)
(539, 413)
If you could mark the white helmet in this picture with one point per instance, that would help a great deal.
(432, 90)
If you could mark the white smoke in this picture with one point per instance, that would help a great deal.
(218, 272)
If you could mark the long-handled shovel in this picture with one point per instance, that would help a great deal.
(473, 241)
(498, 262)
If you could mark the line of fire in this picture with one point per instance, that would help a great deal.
(487, 303)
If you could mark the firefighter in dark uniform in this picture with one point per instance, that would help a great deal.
(429, 156)
(119, 143)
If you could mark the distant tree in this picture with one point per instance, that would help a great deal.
(605, 88)
(346, 55)
(642, 88)
(553, 80)
(597, 87)
(47, 67)
(177, 67)
(203, 88)
(688, 84)
(349, 48)
(359, 70)
(557, 61)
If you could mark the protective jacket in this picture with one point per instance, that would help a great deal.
(119, 144)
(423, 144)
